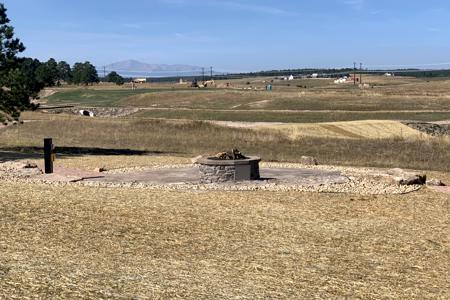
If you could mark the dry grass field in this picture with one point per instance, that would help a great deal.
(356, 130)
(189, 138)
(71, 241)
(315, 99)
(297, 101)
(291, 116)
(86, 243)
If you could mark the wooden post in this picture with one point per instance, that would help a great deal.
(48, 155)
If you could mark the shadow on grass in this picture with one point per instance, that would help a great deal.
(18, 153)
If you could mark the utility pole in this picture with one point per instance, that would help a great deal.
(104, 72)
(360, 73)
(354, 73)
(203, 74)
(211, 68)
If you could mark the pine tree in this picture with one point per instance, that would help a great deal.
(15, 87)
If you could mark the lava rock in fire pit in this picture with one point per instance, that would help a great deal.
(234, 155)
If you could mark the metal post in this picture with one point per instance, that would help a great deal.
(48, 159)
(360, 73)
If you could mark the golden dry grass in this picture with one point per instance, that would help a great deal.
(187, 138)
(356, 129)
(85, 243)
(382, 99)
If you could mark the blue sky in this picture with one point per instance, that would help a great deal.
(236, 35)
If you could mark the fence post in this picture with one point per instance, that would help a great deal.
(48, 155)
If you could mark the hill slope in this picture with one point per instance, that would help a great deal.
(137, 66)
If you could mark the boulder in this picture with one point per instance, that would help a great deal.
(100, 170)
(309, 161)
(407, 178)
(435, 182)
(413, 179)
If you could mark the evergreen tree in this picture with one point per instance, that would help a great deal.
(84, 73)
(47, 73)
(29, 69)
(115, 78)
(64, 72)
(15, 87)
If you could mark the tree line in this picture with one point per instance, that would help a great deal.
(53, 73)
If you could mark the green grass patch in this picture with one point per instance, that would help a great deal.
(290, 117)
(96, 98)
(246, 100)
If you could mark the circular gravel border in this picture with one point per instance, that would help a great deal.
(364, 181)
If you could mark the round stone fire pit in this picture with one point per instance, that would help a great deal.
(215, 170)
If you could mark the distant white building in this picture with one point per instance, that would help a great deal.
(140, 80)
(388, 74)
(314, 75)
(291, 77)
(340, 80)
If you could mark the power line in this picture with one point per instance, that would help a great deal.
(408, 66)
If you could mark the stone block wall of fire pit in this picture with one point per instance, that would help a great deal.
(214, 170)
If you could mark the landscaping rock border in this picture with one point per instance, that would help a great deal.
(364, 181)
(432, 129)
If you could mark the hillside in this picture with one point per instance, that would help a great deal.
(137, 66)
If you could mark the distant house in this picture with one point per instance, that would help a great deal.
(314, 75)
(340, 80)
(388, 74)
(291, 77)
(140, 80)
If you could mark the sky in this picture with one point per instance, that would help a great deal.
(237, 35)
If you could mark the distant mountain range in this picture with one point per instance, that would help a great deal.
(137, 66)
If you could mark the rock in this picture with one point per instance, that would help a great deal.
(29, 165)
(435, 182)
(100, 170)
(430, 128)
(413, 180)
(309, 161)
(196, 159)
(407, 178)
